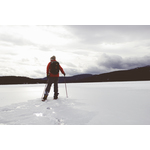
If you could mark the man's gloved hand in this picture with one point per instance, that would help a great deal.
(47, 75)
(64, 74)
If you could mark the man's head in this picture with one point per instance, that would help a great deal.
(53, 58)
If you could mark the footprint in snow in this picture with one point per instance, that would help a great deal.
(7, 110)
(60, 121)
(49, 108)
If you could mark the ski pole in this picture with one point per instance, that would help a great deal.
(65, 86)
(45, 88)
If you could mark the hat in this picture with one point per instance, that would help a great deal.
(53, 58)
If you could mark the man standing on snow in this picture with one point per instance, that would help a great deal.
(52, 71)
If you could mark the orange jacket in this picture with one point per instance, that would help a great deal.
(53, 75)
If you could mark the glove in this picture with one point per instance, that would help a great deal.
(47, 75)
(64, 74)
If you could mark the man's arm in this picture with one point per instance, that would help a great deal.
(61, 69)
(48, 69)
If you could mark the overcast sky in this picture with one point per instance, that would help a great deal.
(93, 49)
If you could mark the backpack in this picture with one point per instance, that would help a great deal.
(54, 67)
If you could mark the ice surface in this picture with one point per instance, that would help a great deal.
(111, 103)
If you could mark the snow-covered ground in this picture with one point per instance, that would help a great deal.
(111, 103)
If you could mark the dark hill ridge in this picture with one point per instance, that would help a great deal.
(75, 78)
(26, 80)
(19, 80)
(137, 74)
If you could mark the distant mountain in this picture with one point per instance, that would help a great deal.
(75, 78)
(26, 80)
(19, 80)
(136, 74)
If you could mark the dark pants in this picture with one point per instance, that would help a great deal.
(50, 81)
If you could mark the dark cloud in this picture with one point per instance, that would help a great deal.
(115, 62)
(94, 69)
(107, 63)
(97, 34)
(81, 49)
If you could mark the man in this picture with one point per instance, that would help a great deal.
(52, 71)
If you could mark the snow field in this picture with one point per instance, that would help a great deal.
(111, 103)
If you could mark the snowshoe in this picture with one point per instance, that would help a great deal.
(56, 96)
(44, 98)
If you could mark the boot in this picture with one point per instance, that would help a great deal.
(45, 97)
(56, 95)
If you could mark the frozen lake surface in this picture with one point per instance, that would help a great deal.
(111, 103)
